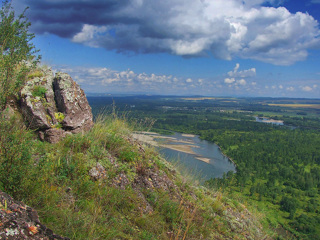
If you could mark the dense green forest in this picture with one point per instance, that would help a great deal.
(278, 167)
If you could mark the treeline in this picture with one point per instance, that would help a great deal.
(280, 167)
(275, 164)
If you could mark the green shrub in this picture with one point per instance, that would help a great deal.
(15, 155)
(39, 91)
(17, 53)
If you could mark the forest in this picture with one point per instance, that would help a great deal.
(278, 166)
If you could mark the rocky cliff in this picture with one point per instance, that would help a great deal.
(54, 105)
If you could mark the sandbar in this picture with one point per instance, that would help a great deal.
(207, 160)
(188, 135)
(147, 133)
(180, 148)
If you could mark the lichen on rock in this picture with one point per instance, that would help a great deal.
(19, 221)
(51, 101)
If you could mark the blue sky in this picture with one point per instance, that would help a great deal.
(182, 47)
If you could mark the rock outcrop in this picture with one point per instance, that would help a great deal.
(55, 105)
(19, 221)
(72, 102)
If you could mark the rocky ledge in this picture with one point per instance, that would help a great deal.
(18, 221)
(55, 105)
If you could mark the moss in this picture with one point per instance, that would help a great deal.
(59, 116)
(48, 117)
(58, 126)
(39, 91)
(35, 100)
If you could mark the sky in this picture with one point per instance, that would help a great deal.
(251, 48)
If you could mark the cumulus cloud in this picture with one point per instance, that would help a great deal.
(229, 80)
(237, 78)
(105, 79)
(223, 28)
(242, 74)
(241, 82)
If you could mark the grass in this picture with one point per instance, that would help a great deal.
(35, 74)
(39, 91)
(141, 196)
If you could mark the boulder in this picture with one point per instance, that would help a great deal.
(55, 105)
(72, 102)
(54, 135)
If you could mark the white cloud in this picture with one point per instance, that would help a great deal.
(88, 34)
(242, 82)
(108, 80)
(229, 80)
(307, 89)
(237, 77)
(242, 74)
(101, 79)
(291, 89)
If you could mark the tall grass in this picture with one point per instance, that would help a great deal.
(54, 179)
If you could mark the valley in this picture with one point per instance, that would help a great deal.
(277, 165)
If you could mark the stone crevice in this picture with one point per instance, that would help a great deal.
(55, 105)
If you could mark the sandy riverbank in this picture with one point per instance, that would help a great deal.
(186, 147)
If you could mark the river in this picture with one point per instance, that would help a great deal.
(268, 120)
(200, 158)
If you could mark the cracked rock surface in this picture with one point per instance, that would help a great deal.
(55, 105)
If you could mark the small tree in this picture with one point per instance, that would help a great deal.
(17, 53)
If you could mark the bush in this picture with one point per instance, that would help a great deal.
(17, 53)
(15, 155)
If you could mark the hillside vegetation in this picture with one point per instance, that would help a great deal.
(278, 167)
(105, 185)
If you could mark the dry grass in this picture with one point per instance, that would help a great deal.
(314, 106)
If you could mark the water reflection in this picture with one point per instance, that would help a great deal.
(198, 157)
(269, 120)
